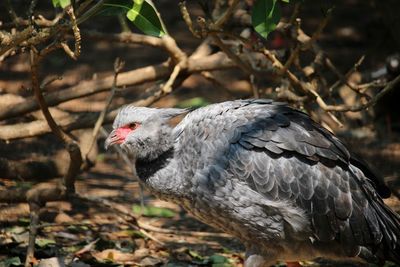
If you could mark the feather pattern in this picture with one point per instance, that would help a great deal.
(285, 156)
(268, 174)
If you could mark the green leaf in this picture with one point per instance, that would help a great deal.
(64, 3)
(115, 7)
(24, 185)
(43, 242)
(145, 17)
(135, 10)
(195, 254)
(195, 102)
(151, 211)
(225, 264)
(389, 264)
(16, 230)
(61, 3)
(265, 16)
(55, 2)
(24, 220)
(134, 233)
(285, 1)
(216, 258)
(14, 261)
(142, 13)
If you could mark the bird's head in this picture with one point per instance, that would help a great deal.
(143, 132)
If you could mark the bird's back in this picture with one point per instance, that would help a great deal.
(264, 171)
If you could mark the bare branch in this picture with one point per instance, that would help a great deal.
(224, 18)
(118, 65)
(321, 26)
(344, 80)
(254, 87)
(11, 11)
(344, 108)
(347, 75)
(235, 58)
(31, 9)
(188, 20)
(177, 55)
(73, 122)
(295, 12)
(34, 208)
(304, 87)
(125, 37)
(9, 41)
(216, 61)
(167, 88)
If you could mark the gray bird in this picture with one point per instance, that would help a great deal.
(265, 173)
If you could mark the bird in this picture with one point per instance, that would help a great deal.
(265, 173)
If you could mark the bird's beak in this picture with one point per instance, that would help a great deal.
(112, 139)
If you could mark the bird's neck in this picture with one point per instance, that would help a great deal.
(146, 168)
(161, 176)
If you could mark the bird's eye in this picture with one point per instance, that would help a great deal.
(133, 125)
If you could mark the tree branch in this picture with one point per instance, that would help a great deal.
(216, 61)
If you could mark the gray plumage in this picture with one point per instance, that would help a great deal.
(267, 174)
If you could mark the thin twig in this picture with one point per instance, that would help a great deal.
(76, 31)
(125, 37)
(87, 248)
(177, 55)
(318, 31)
(49, 80)
(344, 108)
(82, 7)
(295, 12)
(167, 88)
(305, 87)
(224, 18)
(39, 97)
(33, 227)
(8, 53)
(11, 11)
(31, 9)
(188, 20)
(293, 56)
(235, 58)
(116, 208)
(347, 75)
(156, 229)
(71, 145)
(37, 197)
(63, 224)
(9, 42)
(373, 84)
(254, 87)
(118, 66)
(214, 80)
(287, 95)
(343, 79)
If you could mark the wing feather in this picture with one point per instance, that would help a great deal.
(284, 155)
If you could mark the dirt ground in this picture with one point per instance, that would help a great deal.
(100, 229)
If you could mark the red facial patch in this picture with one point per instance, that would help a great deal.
(121, 133)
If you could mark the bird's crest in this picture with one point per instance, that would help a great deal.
(130, 113)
